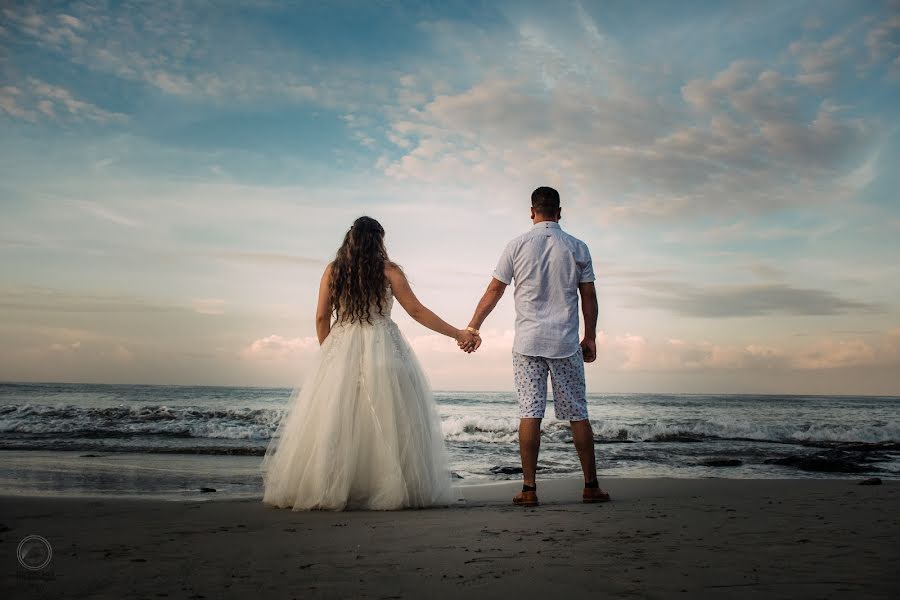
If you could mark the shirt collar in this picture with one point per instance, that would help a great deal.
(546, 225)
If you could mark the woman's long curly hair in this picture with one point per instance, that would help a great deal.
(357, 275)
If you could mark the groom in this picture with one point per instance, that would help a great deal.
(550, 269)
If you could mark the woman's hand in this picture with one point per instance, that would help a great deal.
(467, 341)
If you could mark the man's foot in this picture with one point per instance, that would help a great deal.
(527, 497)
(594, 494)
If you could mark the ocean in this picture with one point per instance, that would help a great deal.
(172, 441)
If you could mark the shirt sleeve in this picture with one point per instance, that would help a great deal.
(504, 270)
(587, 267)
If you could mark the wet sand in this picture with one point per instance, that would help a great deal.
(658, 538)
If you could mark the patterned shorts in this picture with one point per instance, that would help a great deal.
(567, 377)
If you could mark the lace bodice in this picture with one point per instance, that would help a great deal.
(388, 304)
(386, 308)
(340, 332)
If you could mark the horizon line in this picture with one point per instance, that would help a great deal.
(270, 387)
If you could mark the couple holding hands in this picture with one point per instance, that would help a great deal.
(363, 430)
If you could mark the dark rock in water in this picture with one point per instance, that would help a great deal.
(830, 461)
(504, 470)
(870, 481)
(455, 475)
(722, 462)
(207, 489)
(509, 470)
(620, 438)
(90, 455)
(676, 437)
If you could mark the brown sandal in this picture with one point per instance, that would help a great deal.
(592, 495)
(526, 499)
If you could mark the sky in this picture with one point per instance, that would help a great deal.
(175, 176)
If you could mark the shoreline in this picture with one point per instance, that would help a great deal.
(180, 476)
(481, 491)
(658, 538)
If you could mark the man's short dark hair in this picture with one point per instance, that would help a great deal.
(545, 201)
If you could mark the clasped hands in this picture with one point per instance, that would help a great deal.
(468, 340)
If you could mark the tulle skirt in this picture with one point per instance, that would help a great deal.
(363, 430)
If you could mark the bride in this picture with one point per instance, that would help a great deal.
(363, 430)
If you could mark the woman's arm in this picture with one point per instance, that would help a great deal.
(418, 311)
(323, 309)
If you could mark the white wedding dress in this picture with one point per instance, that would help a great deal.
(363, 430)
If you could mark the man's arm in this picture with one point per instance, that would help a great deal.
(590, 310)
(488, 301)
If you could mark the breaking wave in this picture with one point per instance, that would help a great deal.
(162, 428)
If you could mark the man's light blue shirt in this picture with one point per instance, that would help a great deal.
(547, 265)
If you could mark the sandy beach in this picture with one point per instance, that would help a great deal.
(658, 538)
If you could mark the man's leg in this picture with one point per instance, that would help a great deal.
(583, 435)
(529, 447)
(570, 403)
(531, 390)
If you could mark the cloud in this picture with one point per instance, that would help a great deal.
(61, 101)
(107, 214)
(208, 306)
(756, 120)
(831, 354)
(69, 335)
(822, 62)
(606, 270)
(176, 50)
(711, 94)
(57, 347)
(122, 354)
(883, 41)
(744, 300)
(272, 258)
(750, 139)
(276, 347)
(751, 230)
(631, 352)
(42, 299)
(52, 102)
(118, 353)
(47, 347)
(10, 98)
(766, 271)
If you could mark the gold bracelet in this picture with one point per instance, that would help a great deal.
(473, 330)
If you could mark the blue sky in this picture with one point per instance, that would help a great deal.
(175, 177)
